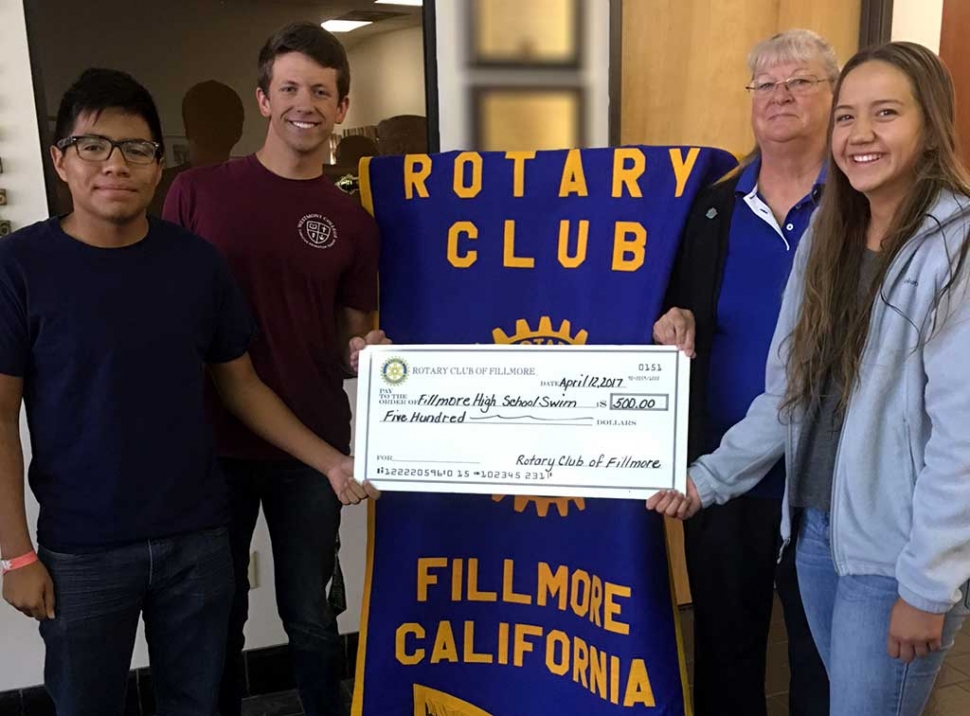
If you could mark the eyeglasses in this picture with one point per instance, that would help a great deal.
(800, 85)
(94, 148)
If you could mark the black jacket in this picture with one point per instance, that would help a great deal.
(695, 284)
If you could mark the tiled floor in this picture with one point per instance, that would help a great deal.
(950, 698)
(286, 704)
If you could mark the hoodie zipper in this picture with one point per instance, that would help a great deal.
(791, 522)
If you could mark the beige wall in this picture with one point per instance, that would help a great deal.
(918, 21)
(217, 41)
(207, 40)
(386, 77)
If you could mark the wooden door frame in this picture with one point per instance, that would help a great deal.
(875, 22)
(616, 70)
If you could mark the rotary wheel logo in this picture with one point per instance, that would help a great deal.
(543, 335)
(542, 504)
(394, 371)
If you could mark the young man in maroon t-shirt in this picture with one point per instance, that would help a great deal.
(305, 256)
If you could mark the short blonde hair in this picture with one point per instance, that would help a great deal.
(794, 46)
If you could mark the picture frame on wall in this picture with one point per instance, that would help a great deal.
(542, 34)
(528, 118)
(176, 150)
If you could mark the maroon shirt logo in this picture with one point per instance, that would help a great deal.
(317, 231)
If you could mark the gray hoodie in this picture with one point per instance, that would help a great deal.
(901, 489)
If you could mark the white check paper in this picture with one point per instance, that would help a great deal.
(564, 421)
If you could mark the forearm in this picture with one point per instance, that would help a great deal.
(345, 353)
(14, 534)
(261, 410)
(351, 324)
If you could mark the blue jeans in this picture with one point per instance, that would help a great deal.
(849, 618)
(303, 516)
(181, 586)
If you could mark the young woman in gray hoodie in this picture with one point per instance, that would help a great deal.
(866, 392)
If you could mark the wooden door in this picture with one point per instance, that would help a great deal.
(956, 54)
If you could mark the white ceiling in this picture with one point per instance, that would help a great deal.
(332, 9)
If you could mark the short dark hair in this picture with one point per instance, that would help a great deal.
(311, 40)
(99, 89)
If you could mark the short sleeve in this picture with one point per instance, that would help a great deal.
(14, 331)
(233, 327)
(358, 285)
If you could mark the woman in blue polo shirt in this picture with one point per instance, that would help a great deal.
(724, 300)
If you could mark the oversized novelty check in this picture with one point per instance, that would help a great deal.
(564, 421)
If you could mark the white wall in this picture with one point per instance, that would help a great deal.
(21, 652)
(168, 75)
(918, 21)
(454, 76)
(386, 77)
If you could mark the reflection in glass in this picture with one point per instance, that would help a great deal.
(520, 119)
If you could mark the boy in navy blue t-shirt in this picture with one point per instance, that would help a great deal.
(109, 324)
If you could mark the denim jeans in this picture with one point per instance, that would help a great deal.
(303, 516)
(181, 586)
(849, 617)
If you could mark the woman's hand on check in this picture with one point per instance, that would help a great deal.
(673, 504)
(676, 328)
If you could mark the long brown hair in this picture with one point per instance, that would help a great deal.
(833, 325)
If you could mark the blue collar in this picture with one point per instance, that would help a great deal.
(749, 178)
(823, 175)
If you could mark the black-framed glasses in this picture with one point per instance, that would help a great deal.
(798, 85)
(95, 148)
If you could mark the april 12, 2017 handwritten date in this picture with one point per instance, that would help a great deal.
(570, 421)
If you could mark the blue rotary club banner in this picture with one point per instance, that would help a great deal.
(516, 606)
